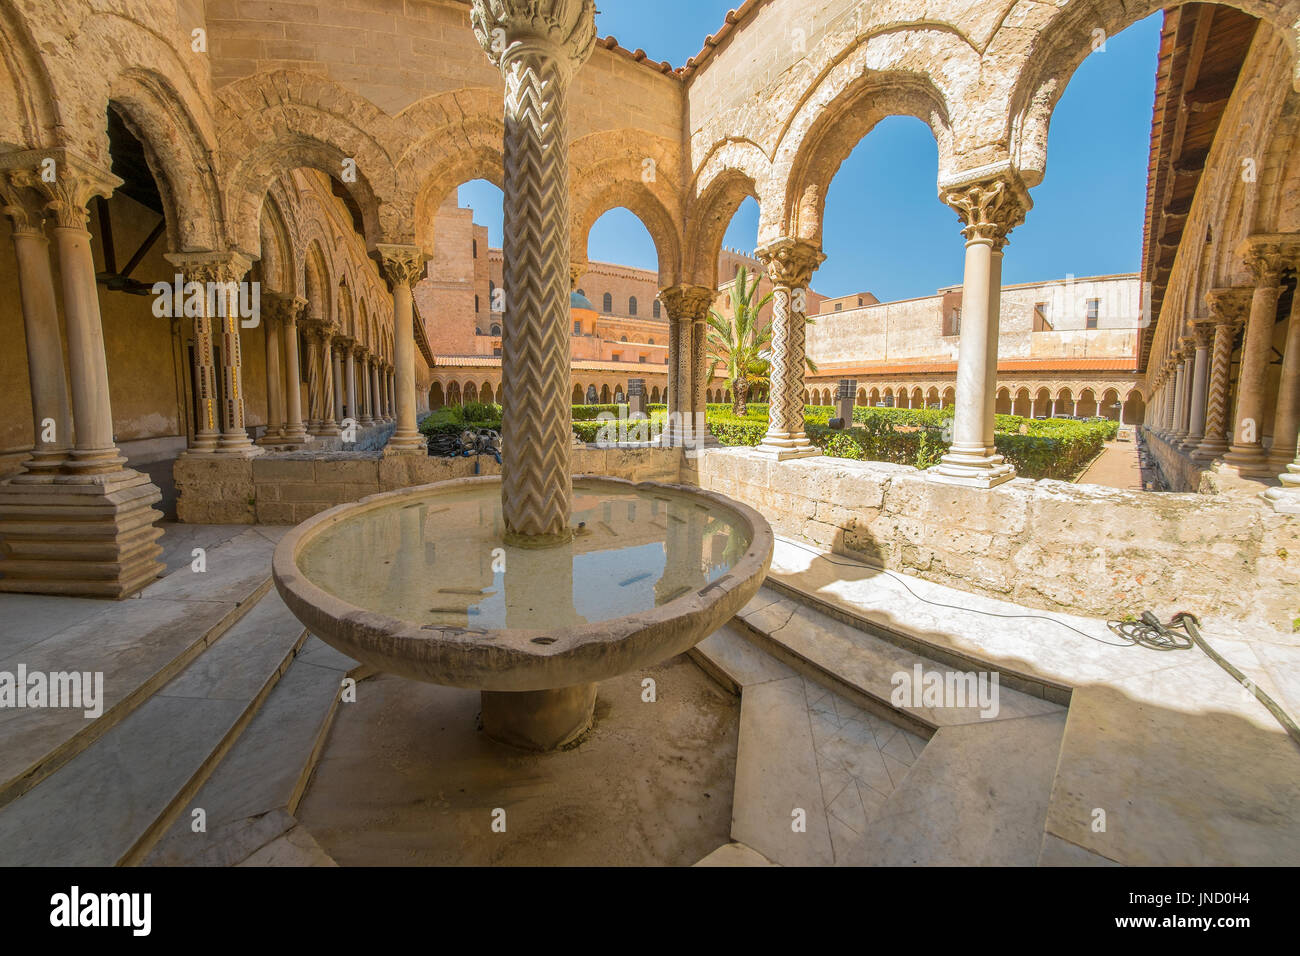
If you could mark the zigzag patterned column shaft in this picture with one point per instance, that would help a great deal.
(538, 44)
(536, 487)
(790, 264)
(1229, 307)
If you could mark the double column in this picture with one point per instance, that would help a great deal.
(1201, 339)
(1266, 256)
(209, 277)
(538, 56)
(687, 308)
(285, 312)
(790, 264)
(51, 409)
(990, 209)
(403, 266)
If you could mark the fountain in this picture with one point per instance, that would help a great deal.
(532, 587)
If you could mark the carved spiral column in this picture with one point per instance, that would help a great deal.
(790, 264)
(990, 210)
(45, 371)
(404, 266)
(538, 46)
(1266, 256)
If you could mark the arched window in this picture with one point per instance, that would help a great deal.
(651, 342)
(631, 305)
(656, 308)
(496, 329)
(623, 339)
(476, 305)
(608, 303)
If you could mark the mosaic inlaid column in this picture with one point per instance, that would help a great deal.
(989, 210)
(790, 264)
(1202, 338)
(51, 409)
(1266, 257)
(685, 306)
(538, 46)
(336, 361)
(1286, 417)
(404, 266)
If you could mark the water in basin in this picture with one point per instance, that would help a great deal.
(441, 559)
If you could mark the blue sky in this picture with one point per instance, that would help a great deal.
(885, 230)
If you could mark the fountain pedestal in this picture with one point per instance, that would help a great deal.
(539, 719)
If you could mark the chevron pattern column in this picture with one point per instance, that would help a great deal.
(1229, 307)
(538, 45)
(686, 306)
(790, 264)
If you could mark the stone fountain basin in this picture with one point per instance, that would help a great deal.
(516, 659)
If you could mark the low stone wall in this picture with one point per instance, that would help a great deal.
(289, 487)
(1048, 544)
(1177, 471)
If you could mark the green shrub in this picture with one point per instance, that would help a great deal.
(589, 413)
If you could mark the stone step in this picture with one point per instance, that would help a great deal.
(862, 666)
(111, 802)
(251, 797)
(735, 854)
(976, 796)
(137, 644)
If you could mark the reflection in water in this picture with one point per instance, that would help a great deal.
(441, 560)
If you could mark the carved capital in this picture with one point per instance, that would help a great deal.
(687, 302)
(790, 262)
(989, 209)
(24, 205)
(1230, 305)
(507, 29)
(65, 181)
(211, 266)
(1203, 332)
(1267, 255)
(402, 264)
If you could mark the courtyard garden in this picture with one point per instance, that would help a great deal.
(1057, 448)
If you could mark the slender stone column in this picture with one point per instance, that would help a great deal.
(790, 264)
(1286, 418)
(390, 411)
(989, 210)
(685, 306)
(538, 46)
(274, 307)
(364, 416)
(336, 361)
(1266, 256)
(95, 451)
(320, 379)
(1202, 336)
(51, 410)
(1229, 307)
(228, 269)
(194, 267)
(294, 432)
(1171, 397)
(404, 266)
(376, 394)
(1179, 430)
(350, 376)
(699, 378)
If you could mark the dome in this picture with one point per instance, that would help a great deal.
(579, 301)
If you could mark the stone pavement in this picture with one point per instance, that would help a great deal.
(1116, 467)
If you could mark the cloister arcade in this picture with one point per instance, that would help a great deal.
(323, 188)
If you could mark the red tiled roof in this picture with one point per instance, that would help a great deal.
(581, 365)
(946, 366)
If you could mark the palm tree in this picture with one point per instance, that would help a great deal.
(740, 345)
(736, 344)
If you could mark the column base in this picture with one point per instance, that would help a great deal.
(1249, 462)
(971, 470)
(784, 447)
(88, 536)
(405, 443)
(539, 719)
